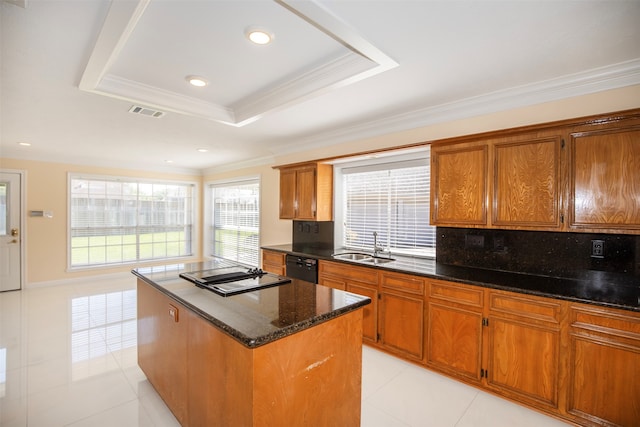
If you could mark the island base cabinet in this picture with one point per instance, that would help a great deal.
(207, 378)
(311, 378)
(163, 326)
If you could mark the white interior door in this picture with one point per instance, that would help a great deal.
(10, 232)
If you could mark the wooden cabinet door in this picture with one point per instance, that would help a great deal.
(358, 280)
(162, 343)
(523, 359)
(288, 194)
(454, 329)
(459, 186)
(605, 180)
(605, 366)
(402, 324)
(523, 347)
(370, 311)
(526, 183)
(306, 193)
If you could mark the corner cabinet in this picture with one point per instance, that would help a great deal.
(306, 192)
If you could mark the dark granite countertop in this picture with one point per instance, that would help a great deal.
(257, 317)
(589, 286)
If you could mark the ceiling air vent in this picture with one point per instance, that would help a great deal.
(136, 109)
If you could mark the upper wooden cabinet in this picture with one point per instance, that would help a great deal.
(306, 192)
(520, 172)
(581, 175)
(605, 179)
(459, 185)
(526, 182)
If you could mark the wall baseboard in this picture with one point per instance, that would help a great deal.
(123, 275)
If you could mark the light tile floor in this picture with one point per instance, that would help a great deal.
(68, 358)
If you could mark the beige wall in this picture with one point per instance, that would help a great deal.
(598, 103)
(273, 231)
(45, 239)
(47, 183)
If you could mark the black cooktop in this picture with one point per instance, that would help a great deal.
(228, 281)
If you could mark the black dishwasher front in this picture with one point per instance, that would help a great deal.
(302, 268)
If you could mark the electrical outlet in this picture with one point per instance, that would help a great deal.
(597, 248)
(473, 241)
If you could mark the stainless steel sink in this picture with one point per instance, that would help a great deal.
(353, 256)
(362, 257)
(373, 260)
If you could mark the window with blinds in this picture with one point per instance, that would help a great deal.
(392, 199)
(121, 220)
(235, 221)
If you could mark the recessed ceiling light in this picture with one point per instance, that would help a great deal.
(259, 36)
(202, 150)
(168, 161)
(197, 81)
(25, 144)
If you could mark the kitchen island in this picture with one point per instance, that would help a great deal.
(289, 354)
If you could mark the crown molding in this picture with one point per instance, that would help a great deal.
(583, 83)
(362, 61)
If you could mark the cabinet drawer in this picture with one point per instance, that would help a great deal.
(607, 321)
(530, 307)
(457, 293)
(344, 271)
(275, 258)
(402, 282)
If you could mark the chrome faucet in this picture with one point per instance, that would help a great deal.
(376, 248)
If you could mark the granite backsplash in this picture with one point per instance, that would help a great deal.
(542, 253)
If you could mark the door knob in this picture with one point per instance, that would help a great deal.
(13, 241)
(14, 232)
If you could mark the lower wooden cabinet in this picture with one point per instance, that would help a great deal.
(523, 347)
(402, 314)
(578, 362)
(274, 262)
(604, 373)
(358, 280)
(454, 325)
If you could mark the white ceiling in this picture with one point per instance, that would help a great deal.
(336, 71)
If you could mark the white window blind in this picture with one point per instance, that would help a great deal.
(118, 220)
(235, 221)
(391, 199)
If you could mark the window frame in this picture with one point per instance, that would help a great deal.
(209, 205)
(395, 160)
(195, 243)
